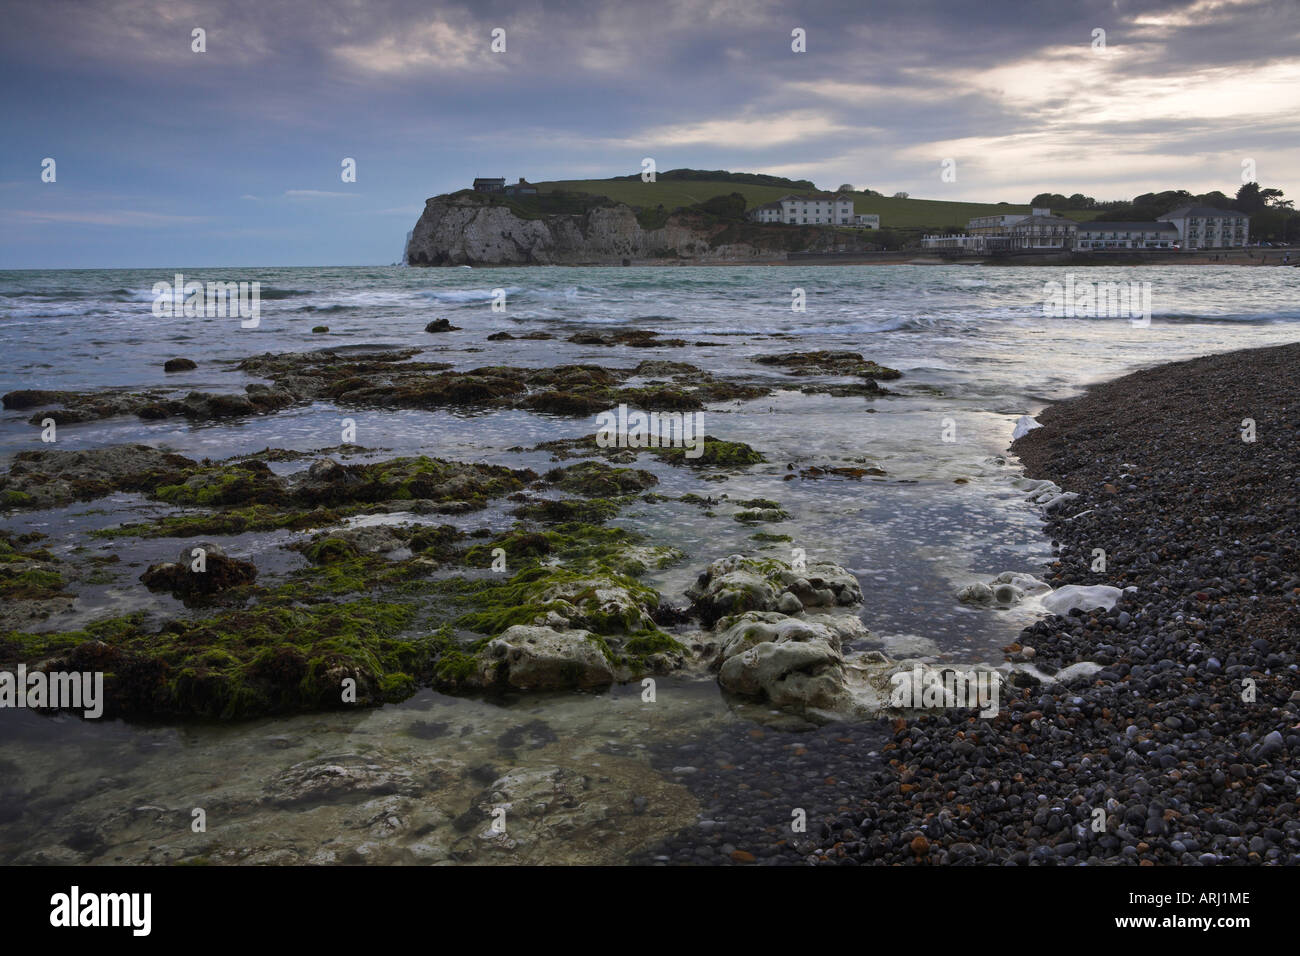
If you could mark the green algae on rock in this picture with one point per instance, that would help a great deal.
(546, 610)
(229, 521)
(827, 362)
(637, 338)
(48, 478)
(715, 453)
(381, 377)
(243, 663)
(42, 479)
(33, 582)
(760, 510)
(200, 572)
(569, 510)
(594, 479)
(577, 545)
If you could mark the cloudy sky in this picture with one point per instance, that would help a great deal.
(169, 157)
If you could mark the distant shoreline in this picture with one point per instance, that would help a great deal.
(1234, 257)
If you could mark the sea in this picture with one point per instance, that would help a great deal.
(977, 349)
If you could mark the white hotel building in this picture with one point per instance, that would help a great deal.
(1185, 228)
(1204, 227)
(828, 209)
(1126, 235)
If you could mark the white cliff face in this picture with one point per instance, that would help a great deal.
(457, 230)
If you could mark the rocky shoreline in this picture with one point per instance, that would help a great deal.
(384, 598)
(405, 575)
(1179, 750)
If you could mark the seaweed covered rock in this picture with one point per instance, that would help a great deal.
(47, 478)
(760, 510)
(381, 377)
(247, 662)
(578, 547)
(813, 667)
(637, 338)
(258, 399)
(246, 494)
(592, 599)
(32, 398)
(780, 634)
(829, 363)
(199, 571)
(594, 594)
(711, 452)
(423, 483)
(506, 336)
(595, 479)
(32, 584)
(249, 482)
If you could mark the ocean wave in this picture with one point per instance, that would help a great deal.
(1185, 318)
(284, 293)
(71, 311)
(336, 307)
(467, 295)
(57, 294)
(1289, 315)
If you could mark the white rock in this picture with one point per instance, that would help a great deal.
(847, 628)
(541, 658)
(789, 604)
(1024, 425)
(792, 675)
(1085, 597)
(977, 593)
(1065, 674)
(1077, 669)
(1026, 582)
(759, 627)
(1035, 485)
(1057, 500)
(737, 583)
(1006, 590)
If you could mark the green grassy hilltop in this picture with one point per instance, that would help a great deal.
(894, 213)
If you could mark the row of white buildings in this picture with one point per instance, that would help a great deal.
(830, 209)
(1185, 228)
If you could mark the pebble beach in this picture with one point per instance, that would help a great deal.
(1185, 738)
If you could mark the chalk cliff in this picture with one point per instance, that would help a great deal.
(464, 229)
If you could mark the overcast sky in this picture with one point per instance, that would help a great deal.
(168, 157)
